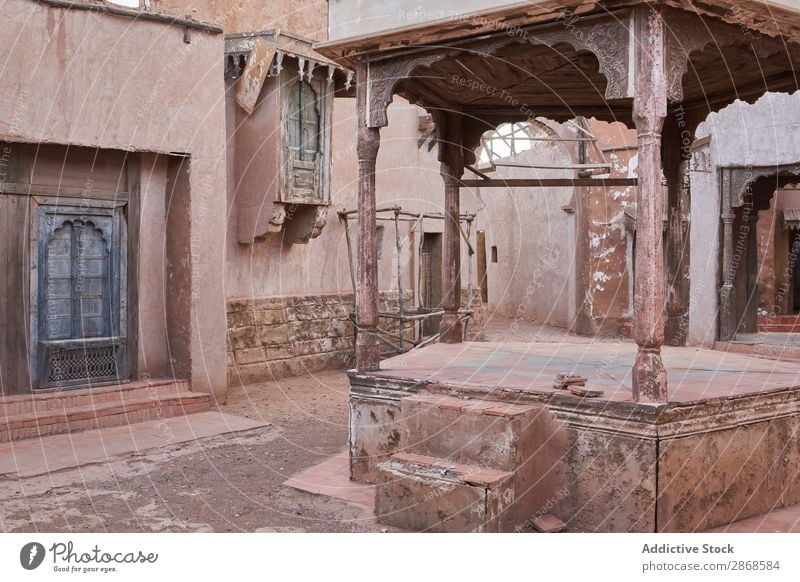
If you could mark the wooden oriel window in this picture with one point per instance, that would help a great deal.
(305, 108)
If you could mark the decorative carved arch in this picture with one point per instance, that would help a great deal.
(607, 40)
(58, 222)
(738, 182)
(383, 77)
(688, 34)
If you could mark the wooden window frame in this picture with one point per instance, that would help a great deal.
(113, 210)
(321, 166)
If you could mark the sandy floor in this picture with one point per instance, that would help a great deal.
(229, 482)
(225, 483)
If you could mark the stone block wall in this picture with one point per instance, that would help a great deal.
(281, 336)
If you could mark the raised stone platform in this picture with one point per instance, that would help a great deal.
(724, 448)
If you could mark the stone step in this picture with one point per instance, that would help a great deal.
(779, 328)
(522, 441)
(486, 433)
(118, 412)
(27, 403)
(779, 324)
(779, 319)
(783, 353)
(423, 493)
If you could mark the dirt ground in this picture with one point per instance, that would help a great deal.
(228, 483)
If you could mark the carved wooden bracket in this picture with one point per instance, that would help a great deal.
(607, 39)
(383, 77)
(688, 33)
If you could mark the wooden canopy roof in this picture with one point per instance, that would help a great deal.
(778, 18)
(584, 65)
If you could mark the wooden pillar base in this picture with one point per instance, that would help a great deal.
(368, 351)
(649, 377)
(451, 329)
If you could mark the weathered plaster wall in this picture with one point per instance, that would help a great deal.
(407, 176)
(775, 272)
(304, 17)
(607, 266)
(564, 254)
(764, 133)
(317, 274)
(153, 350)
(79, 78)
(534, 276)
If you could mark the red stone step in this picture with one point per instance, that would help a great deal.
(779, 324)
(53, 400)
(109, 408)
(523, 441)
(467, 431)
(423, 493)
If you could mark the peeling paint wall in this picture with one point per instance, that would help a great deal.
(775, 270)
(608, 272)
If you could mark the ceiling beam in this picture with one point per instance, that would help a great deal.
(547, 182)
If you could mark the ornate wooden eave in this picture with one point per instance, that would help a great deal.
(239, 47)
(791, 219)
(579, 66)
(771, 18)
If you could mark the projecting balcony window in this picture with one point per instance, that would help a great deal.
(306, 111)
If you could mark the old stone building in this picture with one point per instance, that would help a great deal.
(762, 250)
(191, 206)
(110, 179)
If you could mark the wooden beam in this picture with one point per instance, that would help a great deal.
(548, 182)
(20, 189)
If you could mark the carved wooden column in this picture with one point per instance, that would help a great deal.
(451, 156)
(367, 143)
(649, 112)
(727, 293)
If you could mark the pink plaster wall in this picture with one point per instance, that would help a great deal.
(304, 17)
(407, 175)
